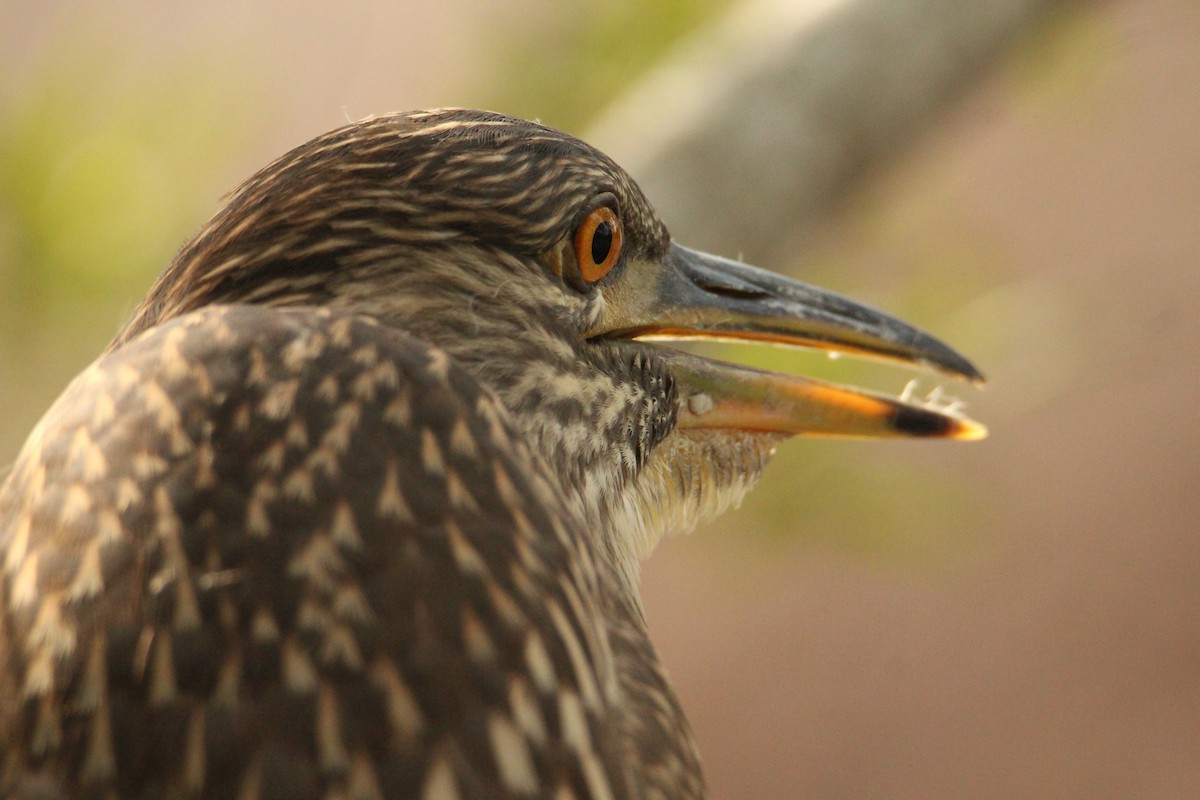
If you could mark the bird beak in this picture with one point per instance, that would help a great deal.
(701, 296)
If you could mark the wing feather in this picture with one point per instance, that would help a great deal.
(263, 554)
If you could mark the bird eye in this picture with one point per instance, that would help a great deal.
(597, 244)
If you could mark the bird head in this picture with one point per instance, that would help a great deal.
(537, 264)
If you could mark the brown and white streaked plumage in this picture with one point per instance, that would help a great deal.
(352, 507)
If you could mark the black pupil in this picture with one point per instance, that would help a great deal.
(601, 242)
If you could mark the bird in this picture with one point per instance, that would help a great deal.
(354, 504)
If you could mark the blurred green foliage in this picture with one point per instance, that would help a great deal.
(104, 172)
(1068, 62)
(566, 64)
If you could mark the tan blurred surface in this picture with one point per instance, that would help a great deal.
(1014, 619)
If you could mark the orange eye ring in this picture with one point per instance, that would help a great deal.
(598, 243)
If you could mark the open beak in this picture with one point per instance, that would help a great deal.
(700, 296)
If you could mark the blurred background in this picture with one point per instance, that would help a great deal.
(1013, 618)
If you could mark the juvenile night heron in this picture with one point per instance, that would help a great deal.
(353, 506)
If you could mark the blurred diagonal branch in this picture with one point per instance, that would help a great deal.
(760, 124)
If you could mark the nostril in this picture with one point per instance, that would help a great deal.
(738, 291)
